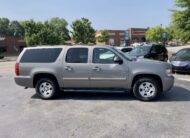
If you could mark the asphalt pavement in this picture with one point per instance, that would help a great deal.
(84, 115)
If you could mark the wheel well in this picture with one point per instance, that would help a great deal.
(157, 78)
(44, 75)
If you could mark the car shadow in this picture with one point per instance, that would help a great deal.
(175, 94)
(79, 95)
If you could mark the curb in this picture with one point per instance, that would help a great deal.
(7, 60)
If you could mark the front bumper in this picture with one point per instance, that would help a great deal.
(168, 83)
(185, 69)
(24, 81)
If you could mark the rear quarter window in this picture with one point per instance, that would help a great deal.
(44, 55)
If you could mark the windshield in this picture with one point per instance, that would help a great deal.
(123, 55)
(183, 55)
(141, 50)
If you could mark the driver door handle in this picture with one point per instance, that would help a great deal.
(68, 68)
(96, 69)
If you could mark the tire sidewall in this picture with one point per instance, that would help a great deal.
(139, 82)
(39, 82)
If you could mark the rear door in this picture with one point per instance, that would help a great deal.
(76, 67)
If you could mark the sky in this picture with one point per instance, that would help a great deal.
(104, 14)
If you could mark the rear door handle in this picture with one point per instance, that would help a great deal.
(68, 68)
(96, 69)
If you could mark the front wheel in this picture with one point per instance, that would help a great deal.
(146, 89)
(46, 88)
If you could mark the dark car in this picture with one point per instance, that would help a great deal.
(125, 49)
(181, 61)
(156, 52)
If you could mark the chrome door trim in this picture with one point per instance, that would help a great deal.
(119, 79)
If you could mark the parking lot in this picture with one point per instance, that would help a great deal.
(80, 114)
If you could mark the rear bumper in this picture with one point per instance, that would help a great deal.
(24, 81)
(168, 83)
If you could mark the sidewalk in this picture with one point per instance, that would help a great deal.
(6, 59)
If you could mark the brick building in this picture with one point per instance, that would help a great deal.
(117, 37)
(137, 34)
(13, 45)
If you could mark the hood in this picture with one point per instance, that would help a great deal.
(149, 66)
(152, 62)
(144, 60)
(134, 55)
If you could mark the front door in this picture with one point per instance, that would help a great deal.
(76, 68)
(105, 73)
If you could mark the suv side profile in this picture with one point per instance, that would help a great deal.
(51, 69)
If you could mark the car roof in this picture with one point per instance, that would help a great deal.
(184, 49)
(63, 46)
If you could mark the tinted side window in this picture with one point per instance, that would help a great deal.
(103, 56)
(45, 55)
(158, 49)
(77, 55)
(126, 50)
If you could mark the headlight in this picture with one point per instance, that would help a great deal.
(169, 72)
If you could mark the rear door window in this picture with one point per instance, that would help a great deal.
(45, 55)
(77, 55)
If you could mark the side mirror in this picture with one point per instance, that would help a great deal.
(118, 60)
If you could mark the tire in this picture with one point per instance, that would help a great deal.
(46, 88)
(146, 89)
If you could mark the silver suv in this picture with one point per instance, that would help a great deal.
(51, 69)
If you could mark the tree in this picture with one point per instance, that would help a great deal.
(11, 28)
(53, 32)
(16, 29)
(83, 32)
(154, 34)
(181, 19)
(170, 33)
(32, 30)
(4, 26)
(103, 37)
(31, 27)
(59, 26)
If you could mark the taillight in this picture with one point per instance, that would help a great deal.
(17, 69)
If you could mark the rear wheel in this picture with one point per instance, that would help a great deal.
(46, 88)
(146, 89)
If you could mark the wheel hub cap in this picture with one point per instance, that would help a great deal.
(46, 89)
(147, 89)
